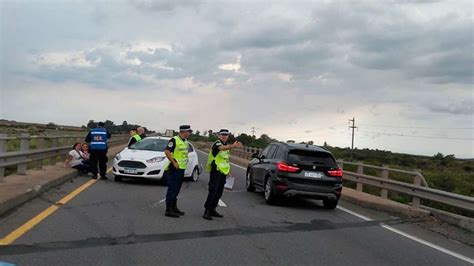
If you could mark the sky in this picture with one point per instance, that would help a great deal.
(292, 69)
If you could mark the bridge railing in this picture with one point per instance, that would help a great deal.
(34, 151)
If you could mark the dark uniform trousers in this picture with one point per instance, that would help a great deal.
(216, 188)
(174, 180)
(98, 157)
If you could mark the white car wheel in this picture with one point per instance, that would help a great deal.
(195, 175)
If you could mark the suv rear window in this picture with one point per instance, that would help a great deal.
(306, 157)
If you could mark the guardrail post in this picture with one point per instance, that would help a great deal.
(360, 170)
(40, 144)
(3, 150)
(54, 144)
(384, 175)
(24, 146)
(62, 143)
(416, 182)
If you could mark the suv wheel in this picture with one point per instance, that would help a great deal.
(330, 204)
(248, 182)
(269, 191)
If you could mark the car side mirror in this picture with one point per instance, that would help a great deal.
(255, 155)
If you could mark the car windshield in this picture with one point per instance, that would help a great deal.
(311, 158)
(150, 145)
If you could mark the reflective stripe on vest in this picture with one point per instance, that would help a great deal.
(221, 160)
(180, 153)
(98, 139)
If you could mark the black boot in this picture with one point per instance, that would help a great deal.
(207, 215)
(214, 213)
(170, 212)
(175, 208)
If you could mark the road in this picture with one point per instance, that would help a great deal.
(113, 223)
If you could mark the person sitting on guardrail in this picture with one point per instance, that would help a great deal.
(85, 153)
(75, 159)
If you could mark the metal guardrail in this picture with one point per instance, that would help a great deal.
(58, 148)
(415, 190)
(419, 189)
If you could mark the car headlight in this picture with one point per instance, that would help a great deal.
(118, 157)
(156, 159)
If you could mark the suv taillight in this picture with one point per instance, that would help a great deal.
(287, 168)
(335, 173)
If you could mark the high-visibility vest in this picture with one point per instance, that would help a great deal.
(180, 153)
(98, 139)
(221, 160)
(137, 137)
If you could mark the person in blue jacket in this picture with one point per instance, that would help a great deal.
(97, 139)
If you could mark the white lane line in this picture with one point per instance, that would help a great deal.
(411, 237)
(222, 204)
(354, 213)
(396, 231)
(161, 201)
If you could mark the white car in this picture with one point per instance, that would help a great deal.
(147, 159)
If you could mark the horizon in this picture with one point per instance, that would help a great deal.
(163, 130)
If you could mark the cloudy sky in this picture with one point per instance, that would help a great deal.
(292, 69)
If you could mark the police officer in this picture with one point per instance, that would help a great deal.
(97, 139)
(177, 154)
(134, 137)
(219, 167)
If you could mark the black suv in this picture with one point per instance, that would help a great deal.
(295, 170)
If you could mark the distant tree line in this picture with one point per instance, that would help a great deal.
(125, 127)
(247, 140)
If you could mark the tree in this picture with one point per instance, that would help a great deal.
(198, 132)
(91, 124)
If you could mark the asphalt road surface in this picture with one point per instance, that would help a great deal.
(113, 223)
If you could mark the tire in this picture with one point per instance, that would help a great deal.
(248, 182)
(269, 192)
(117, 178)
(195, 175)
(330, 204)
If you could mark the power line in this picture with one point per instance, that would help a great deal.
(414, 136)
(414, 127)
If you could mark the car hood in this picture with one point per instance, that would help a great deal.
(129, 154)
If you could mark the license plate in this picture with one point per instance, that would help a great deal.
(130, 171)
(313, 174)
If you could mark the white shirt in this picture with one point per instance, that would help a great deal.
(76, 158)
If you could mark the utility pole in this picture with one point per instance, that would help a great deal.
(253, 131)
(353, 127)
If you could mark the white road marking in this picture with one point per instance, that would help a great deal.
(161, 201)
(354, 213)
(222, 204)
(411, 237)
(396, 231)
